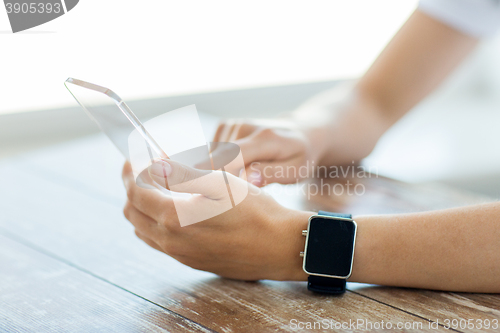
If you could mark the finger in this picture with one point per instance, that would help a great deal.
(127, 169)
(257, 149)
(244, 130)
(180, 178)
(227, 157)
(235, 130)
(270, 145)
(150, 202)
(219, 131)
(142, 223)
(148, 241)
(283, 172)
(226, 132)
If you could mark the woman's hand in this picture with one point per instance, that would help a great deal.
(256, 239)
(336, 127)
(269, 147)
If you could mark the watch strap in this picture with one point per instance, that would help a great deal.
(327, 285)
(325, 213)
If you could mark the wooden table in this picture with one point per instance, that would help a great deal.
(70, 262)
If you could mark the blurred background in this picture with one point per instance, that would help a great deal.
(253, 59)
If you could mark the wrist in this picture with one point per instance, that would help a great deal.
(329, 251)
(294, 243)
(313, 127)
(342, 127)
(352, 134)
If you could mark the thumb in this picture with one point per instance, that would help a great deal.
(177, 177)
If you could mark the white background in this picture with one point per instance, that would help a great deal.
(156, 47)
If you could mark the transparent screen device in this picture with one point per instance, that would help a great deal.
(113, 116)
(178, 132)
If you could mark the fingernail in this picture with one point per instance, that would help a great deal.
(160, 169)
(255, 178)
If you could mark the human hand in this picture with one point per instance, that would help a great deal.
(256, 239)
(334, 128)
(273, 150)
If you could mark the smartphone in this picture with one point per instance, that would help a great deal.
(113, 116)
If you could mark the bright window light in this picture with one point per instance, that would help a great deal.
(157, 48)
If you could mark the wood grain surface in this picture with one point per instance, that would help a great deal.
(62, 207)
(41, 294)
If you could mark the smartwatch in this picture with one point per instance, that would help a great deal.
(329, 251)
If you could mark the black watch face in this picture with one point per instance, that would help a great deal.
(330, 247)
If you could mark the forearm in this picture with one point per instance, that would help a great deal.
(455, 249)
(345, 124)
(418, 58)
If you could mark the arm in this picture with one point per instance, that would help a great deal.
(419, 57)
(456, 249)
(344, 124)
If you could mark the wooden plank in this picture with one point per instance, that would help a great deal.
(464, 311)
(41, 294)
(92, 165)
(93, 236)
